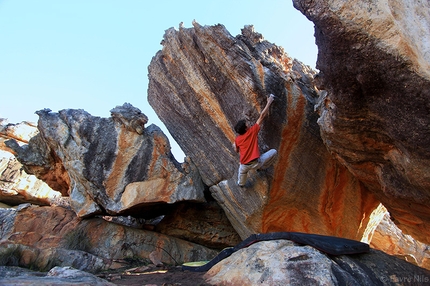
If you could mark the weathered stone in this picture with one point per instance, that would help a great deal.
(114, 165)
(56, 276)
(17, 187)
(374, 62)
(36, 157)
(388, 238)
(17, 181)
(282, 262)
(204, 224)
(44, 259)
(21, 132)
(203, 81)
(43, 237)
(131, 117)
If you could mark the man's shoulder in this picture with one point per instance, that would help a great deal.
(256, 126)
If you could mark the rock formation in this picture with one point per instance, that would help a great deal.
(43, 237)
(349, 138)
(112, 165)
(203, 81)
(21, 132)
(16, 185)
(388, 238)
(204, 224)
(55, 277)
(282, 262)
(374, 62)
(35, 157)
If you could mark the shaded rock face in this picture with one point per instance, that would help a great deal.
(56, 276)
(374, 62)
(205, 224)
(114, 165)
(203, 81)
(282, 262)
(44, 237)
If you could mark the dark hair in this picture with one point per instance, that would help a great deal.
(240, 127)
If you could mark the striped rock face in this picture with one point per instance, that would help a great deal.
(115, 165)
(374, 62)
(203, 81)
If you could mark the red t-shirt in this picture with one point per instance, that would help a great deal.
(248, 144)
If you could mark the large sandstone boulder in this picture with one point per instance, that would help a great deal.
(282, 262)
(114, 165)
(203, 81)
(374, 62)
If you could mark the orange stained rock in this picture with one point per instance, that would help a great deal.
(321, 204)
(126, 152)
(43, 226)
(290, 136)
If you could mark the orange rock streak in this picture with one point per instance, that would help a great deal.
(275, 216)
(126, 145)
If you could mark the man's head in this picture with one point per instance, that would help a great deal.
(241, 127)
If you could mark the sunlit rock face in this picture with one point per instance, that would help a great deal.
(16, 186)
(115, 165)
(21, 132)
(390, 239)
(374, 62)
(17, 183)
(203, 81)
(24, 142)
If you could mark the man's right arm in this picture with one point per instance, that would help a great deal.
(265, 109)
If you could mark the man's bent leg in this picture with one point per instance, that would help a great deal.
(267, 159)
(243, 174)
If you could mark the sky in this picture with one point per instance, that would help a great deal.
(94, 54)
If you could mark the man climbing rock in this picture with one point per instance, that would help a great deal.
(246, 143)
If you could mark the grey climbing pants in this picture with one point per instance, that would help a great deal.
(264, 162)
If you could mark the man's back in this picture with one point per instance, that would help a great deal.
(248, 144)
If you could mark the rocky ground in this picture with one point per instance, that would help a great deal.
(153, 275)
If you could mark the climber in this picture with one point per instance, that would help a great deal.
(246, 143)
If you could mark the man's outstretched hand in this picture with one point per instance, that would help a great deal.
(271, 98)
(266, 109)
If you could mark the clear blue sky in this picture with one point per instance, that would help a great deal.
(94, 54)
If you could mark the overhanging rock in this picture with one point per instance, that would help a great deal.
(203, 81)
(374, 61)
